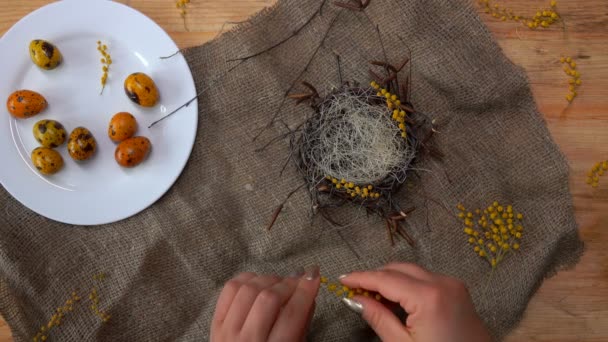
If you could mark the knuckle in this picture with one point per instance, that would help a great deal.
(434, 296)
(269, 297)
(374, 318)
(456, 286)
(273, 278)
(460, 287)
(244, 275)
(394, 264)
(249, 289)
(232, 285)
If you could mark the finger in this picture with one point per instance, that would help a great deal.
(266, 309)
(309, 319)
(291, 323)
(380, 318)
(244, 299)
(412, 270)
(397, 287)
(227, 296)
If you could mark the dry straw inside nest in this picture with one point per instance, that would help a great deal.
(353, 137)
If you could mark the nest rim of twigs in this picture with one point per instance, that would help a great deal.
(320, 184)
(318, 174)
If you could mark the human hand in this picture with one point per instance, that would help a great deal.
(439, 307)
(260, 308)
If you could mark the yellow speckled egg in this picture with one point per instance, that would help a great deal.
(47, 161)
(49, 133)
(44, 54)
(81, 144)
(140, 88)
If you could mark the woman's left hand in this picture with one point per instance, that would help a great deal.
(255, 307)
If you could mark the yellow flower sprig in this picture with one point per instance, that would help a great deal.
(575, 77)
(56, 318)
(598, 170)
(493, 232)
(62, 311)
(363, 191)
(543, 17)
(106, 61)
(393, 102)
(94, 298)
(182, 5)
(342, 291)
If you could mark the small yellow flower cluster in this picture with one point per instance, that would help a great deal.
(354, 190)
(575, 77)
(543, 18)
(182, 6)
(393, 102)
(598, 170)
(94, 297)
(55, 320)
(493, 232)
(106, 61)
(346, 292)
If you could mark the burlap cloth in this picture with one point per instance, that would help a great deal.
(167, 265)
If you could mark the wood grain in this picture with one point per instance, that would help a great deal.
(573, 306)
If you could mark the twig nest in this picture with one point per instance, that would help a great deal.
(352, 137)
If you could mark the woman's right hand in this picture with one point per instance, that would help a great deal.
(439, 308)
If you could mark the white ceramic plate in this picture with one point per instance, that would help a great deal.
(97, 191)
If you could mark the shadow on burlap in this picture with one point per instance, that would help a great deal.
(167, 264)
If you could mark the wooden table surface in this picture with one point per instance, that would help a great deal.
(572, 306)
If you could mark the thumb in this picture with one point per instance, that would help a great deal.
(388, 327)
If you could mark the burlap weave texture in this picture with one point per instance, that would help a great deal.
(167, 264)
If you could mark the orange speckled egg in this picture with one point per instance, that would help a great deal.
(141, 89)
(122, 126)
(23, 104)
(132, 151)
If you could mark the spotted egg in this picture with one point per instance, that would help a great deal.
(81, 144)
(132, 152)
(122, 126)
(24, 104)
(49, 133)
(47, 161)
(141, 89)
(44, 54)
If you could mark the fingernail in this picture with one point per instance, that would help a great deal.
(353, 305)
(297, 273)
(343, 276)
(312, 272)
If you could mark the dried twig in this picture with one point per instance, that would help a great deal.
(384, 65)
(275, 215)
(390, 232)
(376, 77)
(404, 234)
(294, 33)
(299, 96)
(358, 6)
(278, 210)
(312, 57)
(173, 54)
(313, 89)
(339, 68)
(196, 96)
